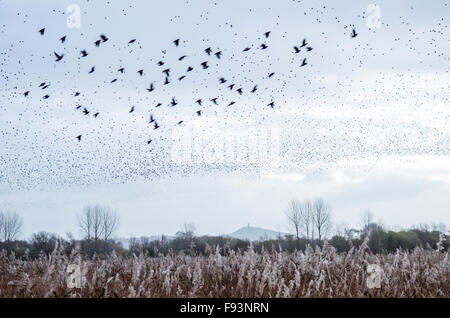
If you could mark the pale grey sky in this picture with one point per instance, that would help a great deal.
(365, 124)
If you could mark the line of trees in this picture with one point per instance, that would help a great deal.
(310, 219)
(311, 223)
(98, 223)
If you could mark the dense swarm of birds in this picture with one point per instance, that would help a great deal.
(256, 81)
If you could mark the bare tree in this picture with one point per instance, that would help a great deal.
(440, 227)
(2, 221)
(307, 219)
(344, 230)
(98, 223)
(187, 232)
(85, 222)
(186, 236)
(110, 223)
(423, 227)
(91, 222)
(294, 218)
(322, 218)
(366, 220)
(350, 234)
(10, 226)
(341, 228)
(300, 217)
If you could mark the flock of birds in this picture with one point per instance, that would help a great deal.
(303, 47)
(111, 100)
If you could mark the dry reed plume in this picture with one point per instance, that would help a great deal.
(312, 273)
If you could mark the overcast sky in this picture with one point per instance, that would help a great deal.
(364, 124)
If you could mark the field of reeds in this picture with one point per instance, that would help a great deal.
(320, 272)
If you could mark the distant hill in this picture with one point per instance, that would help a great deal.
(255, 234)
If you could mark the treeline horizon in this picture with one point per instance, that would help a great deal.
(99, 224)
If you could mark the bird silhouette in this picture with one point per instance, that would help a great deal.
(177, 42)
(246, 49)
(231, 103)
(92, 69)
(151, 88)
(77, 94)
(309, 49)
(181, 77)
(239, 90)
(182, 57)
(85, 111)
(208, 51)
(158, 105)
(267, 34)
(41, 31)
(354, 34)
(304, 43)
(173, 102)
(151, 119)
(160, 63)
(303, 62)
(254, 88)
(97, 43)
(155, 126)
(131, 110)
(166, 81)
(26, 93)
(84, 53)
(78, 137)
(58, 57)
(63, 39)
(46, 96)
(190, 68)
(199, 112)
(222, 80)
(96, 114)
(214, 100)
(114, 80)
(141, 72)
(199, 101)
(205, 65)
(231, 86)
(121, 70)
(271, 104)
(167, 71)
(132, 41)
(296, 49)
(263, 46)
(218, 54)
(103, 37)
(271, 74)
(149, 142)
